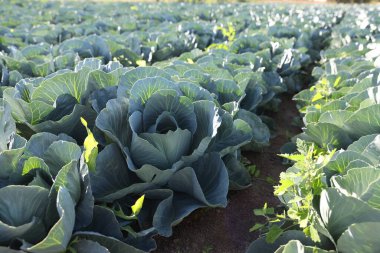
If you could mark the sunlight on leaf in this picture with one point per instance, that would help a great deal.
(136, 208)
(141, 63)
(90, 147)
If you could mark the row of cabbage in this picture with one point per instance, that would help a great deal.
(151, 136)
(54, 35)
(111, 155)
(159, 128)
(332, 192)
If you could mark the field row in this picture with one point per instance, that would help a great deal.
(119, 120)
(332, 190)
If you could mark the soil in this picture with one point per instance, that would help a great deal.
(227, 230)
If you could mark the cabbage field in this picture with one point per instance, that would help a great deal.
(119, 121)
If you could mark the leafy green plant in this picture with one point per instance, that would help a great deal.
(229, 32)
(251, 168)
(303, 183)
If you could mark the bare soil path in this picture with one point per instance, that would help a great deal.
(227, 230)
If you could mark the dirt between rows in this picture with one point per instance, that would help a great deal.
(226, 230)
